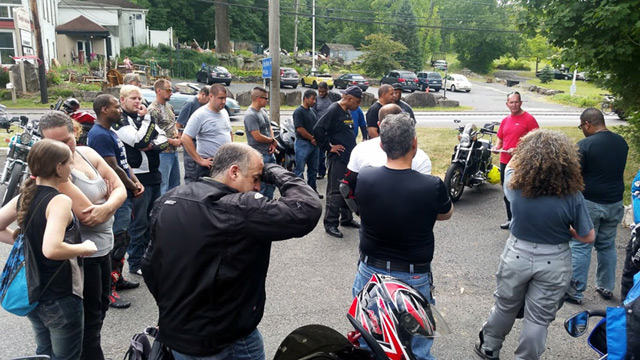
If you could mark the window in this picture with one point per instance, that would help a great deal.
(7, 48)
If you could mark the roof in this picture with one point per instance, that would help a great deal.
(112, 4)
(82, 25)
(340, 47)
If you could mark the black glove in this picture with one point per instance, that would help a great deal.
(268, 175)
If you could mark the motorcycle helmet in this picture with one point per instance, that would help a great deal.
(71, 105)
(388, 313)
(494, 175)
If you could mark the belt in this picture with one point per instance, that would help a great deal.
(396, 265)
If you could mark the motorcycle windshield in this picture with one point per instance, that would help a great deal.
(313, 342)
(469, 129)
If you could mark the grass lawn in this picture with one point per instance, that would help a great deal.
(587, 93)
(34, 103)
(438, 143)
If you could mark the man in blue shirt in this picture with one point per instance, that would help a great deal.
(359, 122)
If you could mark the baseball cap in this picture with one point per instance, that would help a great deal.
(354, 91)
(397, 86)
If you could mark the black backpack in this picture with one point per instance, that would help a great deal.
(141, 348)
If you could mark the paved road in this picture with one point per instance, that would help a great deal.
(310, 281)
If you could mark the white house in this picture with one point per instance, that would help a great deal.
(98, 28)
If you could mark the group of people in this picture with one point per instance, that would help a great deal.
(121, 195)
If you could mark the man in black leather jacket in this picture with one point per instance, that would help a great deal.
(208, 258)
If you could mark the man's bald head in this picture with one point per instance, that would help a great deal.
(389, 109)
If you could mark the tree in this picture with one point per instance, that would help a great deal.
(223, 39)
(380, 54)
(602, 36)
(539, 48)
(546, 75)
(407, 33)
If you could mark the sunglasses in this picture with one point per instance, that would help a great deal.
(264, 97)
(582, 124)
(169, 90)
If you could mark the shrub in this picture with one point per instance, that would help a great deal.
(505, 63)
(4, 77)
(5, 94)
(546, 75)
(61, 92)
(53, 78)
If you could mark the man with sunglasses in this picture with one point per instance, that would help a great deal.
(259, 133)
(162, 112)
(512, 128)
(603, 157)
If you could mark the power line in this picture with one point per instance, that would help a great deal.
(359, 20)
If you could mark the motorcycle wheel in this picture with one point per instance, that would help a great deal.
(14, 183)
(454, 181)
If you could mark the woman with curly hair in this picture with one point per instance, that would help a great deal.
(543, 182)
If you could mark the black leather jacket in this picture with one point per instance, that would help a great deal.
(209, 254)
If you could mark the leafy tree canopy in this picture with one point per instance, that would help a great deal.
(380, 54)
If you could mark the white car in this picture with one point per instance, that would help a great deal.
(457, 82)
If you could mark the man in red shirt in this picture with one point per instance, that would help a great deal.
(512, 128)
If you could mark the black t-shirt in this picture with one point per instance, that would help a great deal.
(305, 118)
(372, 116)
(603, 157)
(335, 127)
(406, 108)
(398, 209)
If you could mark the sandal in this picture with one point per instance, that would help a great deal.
(606, 294)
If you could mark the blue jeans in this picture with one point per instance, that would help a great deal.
(122, 217)
(268, 189)
(190, 168)
(248, 348)
(139, 228)
(606, 218)
(420, 345)
(307, 154)
(170, 170)
(58, 327)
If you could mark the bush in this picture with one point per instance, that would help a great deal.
(577, 101)
(5, 94)
(4, 77)
(53, 78)
(57, 92)
(505, 63)
(546, 75)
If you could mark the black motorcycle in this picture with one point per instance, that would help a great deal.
(16, 168)
(471, 163)
(285, 136)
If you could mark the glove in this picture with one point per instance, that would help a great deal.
(268, 173)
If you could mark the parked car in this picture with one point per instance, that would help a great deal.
(185, 91)
(440, 65)
(314, 77)
(430, 79)
(456, 82)
(347, 80)
(288, 77)
(558, 74)
(213, 74)
(407, 79)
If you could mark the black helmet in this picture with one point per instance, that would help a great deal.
(71, 105)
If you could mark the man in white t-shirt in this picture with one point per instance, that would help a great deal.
(369, 153)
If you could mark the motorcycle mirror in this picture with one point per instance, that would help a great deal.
(24, 120)
(457, 121)
(239, 132)
(577, 324)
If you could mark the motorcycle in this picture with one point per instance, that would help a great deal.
(86, 120)
(387, 314)
(16, 168)
(471, 163)
(5, 120)
(285, 136)
(616, 336)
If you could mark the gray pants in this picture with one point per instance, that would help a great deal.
(536, 275)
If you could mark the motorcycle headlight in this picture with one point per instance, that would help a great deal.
(465, 141)
(25, 138)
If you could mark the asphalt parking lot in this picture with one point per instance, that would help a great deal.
(310, 278)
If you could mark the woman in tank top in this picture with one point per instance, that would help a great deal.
(52, 232)
(93, 203)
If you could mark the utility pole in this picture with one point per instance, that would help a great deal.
(274, 52)
(313, 35)
(42, 77)
(295, 33)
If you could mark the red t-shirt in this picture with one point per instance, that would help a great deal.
(512, 128)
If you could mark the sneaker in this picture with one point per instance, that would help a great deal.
(506, 225)
(606, 294)
(116, 302)
(136, 272)
(570, 299)
(124, 284)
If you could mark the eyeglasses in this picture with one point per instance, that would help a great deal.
(169, 90)
(264, 98)
(582, 124)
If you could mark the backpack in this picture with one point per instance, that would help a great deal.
(142, 349)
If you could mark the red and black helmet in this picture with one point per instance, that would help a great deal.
(71, 105)
(388, 313)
